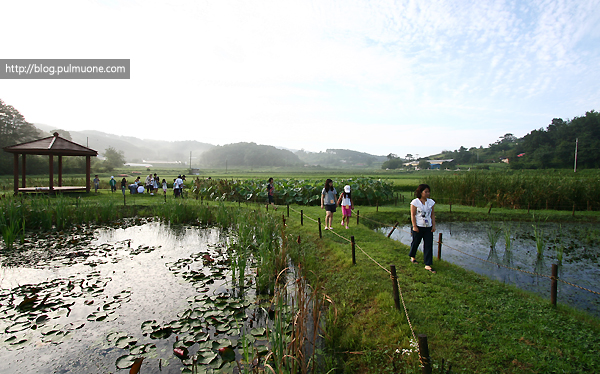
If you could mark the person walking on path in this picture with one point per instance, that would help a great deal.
(113, 184)
(123, 185)
(345, 201)
(270, 193)
(422, 217)
(329, 203)
(96, 183)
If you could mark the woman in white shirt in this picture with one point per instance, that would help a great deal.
(422, 217)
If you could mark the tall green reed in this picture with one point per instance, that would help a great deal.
(540, 241)
(493, 234)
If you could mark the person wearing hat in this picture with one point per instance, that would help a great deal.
(345, 201)
(113, 183)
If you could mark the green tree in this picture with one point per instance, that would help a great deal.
(113, 159)
(14, 129)
(424, 164)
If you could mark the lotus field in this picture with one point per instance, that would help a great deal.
(365, 191)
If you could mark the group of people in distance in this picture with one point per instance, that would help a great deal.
(422, 216)
(151, 185)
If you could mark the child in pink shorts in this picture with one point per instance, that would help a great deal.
(345, 201)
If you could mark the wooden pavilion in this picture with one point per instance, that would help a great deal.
(51, 146)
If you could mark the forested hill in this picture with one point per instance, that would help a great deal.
(249, 155)
(340, 158)
(552, 147)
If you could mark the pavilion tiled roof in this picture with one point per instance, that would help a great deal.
(52, 145)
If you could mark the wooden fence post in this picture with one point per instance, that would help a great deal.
(573, 214)
(393, 228)
(320, 233)
(353, 251)
(553, 284)
(424, 354)
(395, 286)
(377, 206)
(357, 216)
(451, 207)
(440, 246)
(288, 210)
(301, 217)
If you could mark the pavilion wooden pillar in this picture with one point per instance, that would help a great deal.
(16, 171)
(88, 173)
(59, 171)
(51, 171)
(24, 170)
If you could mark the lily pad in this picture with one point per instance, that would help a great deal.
(125, 361)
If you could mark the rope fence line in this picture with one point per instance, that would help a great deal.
(395, 279)
(497, 264)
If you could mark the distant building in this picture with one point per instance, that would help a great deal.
(435, 164)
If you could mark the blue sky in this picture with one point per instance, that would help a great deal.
(380, 77)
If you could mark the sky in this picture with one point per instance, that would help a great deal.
(404, 77)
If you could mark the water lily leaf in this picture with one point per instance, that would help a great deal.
(258, 331)
(163, 333)
(206, 357)
(125, 362)
(19, 326)
(221, 343)
(262, 349)
(149, 326)
(114, 336)
(125, 342)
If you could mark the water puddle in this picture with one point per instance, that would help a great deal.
(93, 300)
(578, 244)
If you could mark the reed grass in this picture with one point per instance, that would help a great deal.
(493, 234)
(558, 190)
(540, 241)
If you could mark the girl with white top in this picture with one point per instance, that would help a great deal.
(422, 217)
(345, 201)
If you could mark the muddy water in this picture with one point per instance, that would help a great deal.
(580, 263)
(92, 300)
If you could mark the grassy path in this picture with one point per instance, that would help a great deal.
(474, 324)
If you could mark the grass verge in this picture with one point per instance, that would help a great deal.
(472, 323)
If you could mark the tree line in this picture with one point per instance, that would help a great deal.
(544, 148)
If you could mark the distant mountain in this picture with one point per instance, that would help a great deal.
(136, 149)
(340, 158)
(248, 155)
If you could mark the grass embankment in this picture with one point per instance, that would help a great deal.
(474, 324)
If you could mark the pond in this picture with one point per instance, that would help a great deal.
(577, 244)
(92, 300)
